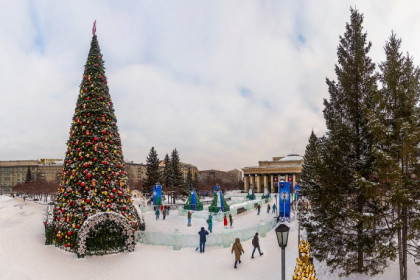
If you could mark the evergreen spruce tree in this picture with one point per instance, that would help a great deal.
(153, 174)
(167, 175)
(347, 216)
(311, 191)
(397, 149)
(177, 180)
(189, 181)
(28, 177)
(94, 178)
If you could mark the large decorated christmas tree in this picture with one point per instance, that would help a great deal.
(93, 212)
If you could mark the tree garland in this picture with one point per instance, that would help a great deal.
(95, 224)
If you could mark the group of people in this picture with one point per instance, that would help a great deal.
(162, 209)
(237, 248)
(225, 221)
(268, 208)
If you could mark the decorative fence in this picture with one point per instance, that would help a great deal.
(224, 238)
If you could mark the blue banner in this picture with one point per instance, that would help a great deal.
(284, 199)
(193, 198)
(157, 194)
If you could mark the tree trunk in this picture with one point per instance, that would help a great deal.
(404, 242)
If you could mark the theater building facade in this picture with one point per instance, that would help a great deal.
(270, 173)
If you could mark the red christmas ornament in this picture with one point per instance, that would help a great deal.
(69, 233)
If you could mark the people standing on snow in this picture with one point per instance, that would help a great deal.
(161, 208)
(230, 220)
(268, 208)
(210, 222)
(225, 221)
(203, 234)
(189, 218)
(167, 209)
(237, 247)
(157, 213)
(274, 208)
(258, 209)
(256, 244)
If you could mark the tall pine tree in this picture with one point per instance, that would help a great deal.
(189, 184)
(347, 216)
(177, 180)
(94, 178)
(398, 138)
(153, 175)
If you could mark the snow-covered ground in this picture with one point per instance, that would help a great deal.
(23, 254)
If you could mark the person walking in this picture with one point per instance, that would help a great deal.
(189, 218)
(268, 208)
(210, 223)
(161, 208)
(168, 208)
(164, 213)
(225, 221)
(237, 248)
(274, 208)
(230, 220)
(256, 244)
(157, 213)
(258, 209)
(203, 234)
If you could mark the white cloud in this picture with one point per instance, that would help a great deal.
(227, 83)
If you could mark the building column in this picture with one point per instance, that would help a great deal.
(246, 183)
(252, 181)
(258, 183)
(272, 182)
(266, 181)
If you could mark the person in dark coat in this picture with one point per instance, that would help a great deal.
(237, 248)
(203, 234)
(268, 208)
(258, 209)
(256, 244)
(230, 220)
(164, 213)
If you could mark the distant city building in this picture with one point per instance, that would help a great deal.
(232, 177)
(14, 172)
(136, 172)
(270, 173)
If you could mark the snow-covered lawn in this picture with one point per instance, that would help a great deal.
(23, 254)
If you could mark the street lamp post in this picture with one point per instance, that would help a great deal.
(282, 232)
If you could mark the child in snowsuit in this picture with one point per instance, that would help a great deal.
(225, 221)
(210, 222)
(230, 220)
(237, 247)
(157, 213)
(189, 218)
(256, 244)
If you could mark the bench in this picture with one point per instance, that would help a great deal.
(241, 210)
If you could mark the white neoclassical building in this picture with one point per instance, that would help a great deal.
(269, 173)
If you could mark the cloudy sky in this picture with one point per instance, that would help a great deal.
(227, 83)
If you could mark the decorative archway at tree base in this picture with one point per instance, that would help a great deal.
(94, 222)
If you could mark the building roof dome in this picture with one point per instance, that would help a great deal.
(292, 157)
